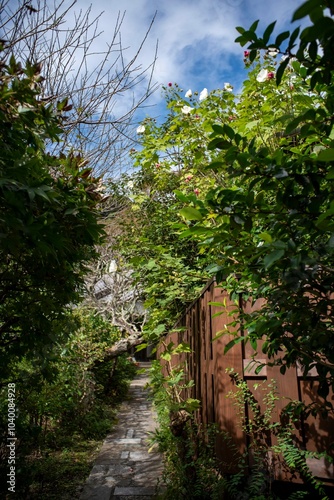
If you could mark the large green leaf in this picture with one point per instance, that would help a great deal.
(190, 213)
(326, 155)
(274, 256)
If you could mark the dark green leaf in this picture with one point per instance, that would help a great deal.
(281, 37)
(228, 131)
(181, 196)
(280, 70)
(254, 26)
(258, 369)
(268, 31)
(232, 343)
(305, 9)
(293, 38)
(326, 155)
(252, 55)
(270, 259)
(240, 29)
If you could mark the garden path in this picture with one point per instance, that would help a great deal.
(124, 468)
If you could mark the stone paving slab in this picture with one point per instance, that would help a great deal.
(124, 468)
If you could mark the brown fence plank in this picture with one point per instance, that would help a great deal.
(225, 411)
(207, 364)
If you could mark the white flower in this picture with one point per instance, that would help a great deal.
(203, 95)
(130, 184)
(140, 129)
(188, 93)
(112, 267)
(228, 87)
(262, 76)
(272, 51)
(186, 110)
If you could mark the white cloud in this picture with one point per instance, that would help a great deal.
(196, 37)
(201, 29)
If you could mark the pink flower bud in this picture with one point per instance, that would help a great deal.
(246, 53)
(196, 191)
(270, 75)
(170, 84)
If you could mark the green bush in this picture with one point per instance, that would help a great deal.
(71, 400)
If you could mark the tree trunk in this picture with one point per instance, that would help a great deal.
(124, 345)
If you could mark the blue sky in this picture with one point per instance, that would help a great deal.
(195, 37)
(196, 44)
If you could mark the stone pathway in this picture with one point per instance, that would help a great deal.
(124, 469)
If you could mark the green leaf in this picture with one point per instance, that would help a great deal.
(330, 174)
(252, 55)
(166, 356)
(141, 347)
(241, 40)
(229, 131)
(258, 369)
(216, 165)
(183, 347)
(232, 343)
(219, 143)
(40, 191)
(253, 343)
(280, 70)
(268, 31)
(192, 404)
(218, 129)
(254, 25)
(283, 369)
(158, 330)
(196, 230)
(305, 9)
(151, 264)
(273, 257)
(293, 38)
(313, 50)
(181, 196)
(190, 213)
(240, 29)
(281, 37)
(266, 237)
(326, 155)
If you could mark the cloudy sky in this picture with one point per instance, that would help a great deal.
(195, 38)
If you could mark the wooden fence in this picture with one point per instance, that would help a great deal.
(207, 365)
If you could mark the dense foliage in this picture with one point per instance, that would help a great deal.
(271, 219)
(256, 174)
(48, 221)
(65, 405)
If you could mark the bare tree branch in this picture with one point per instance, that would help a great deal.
(104, 88)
